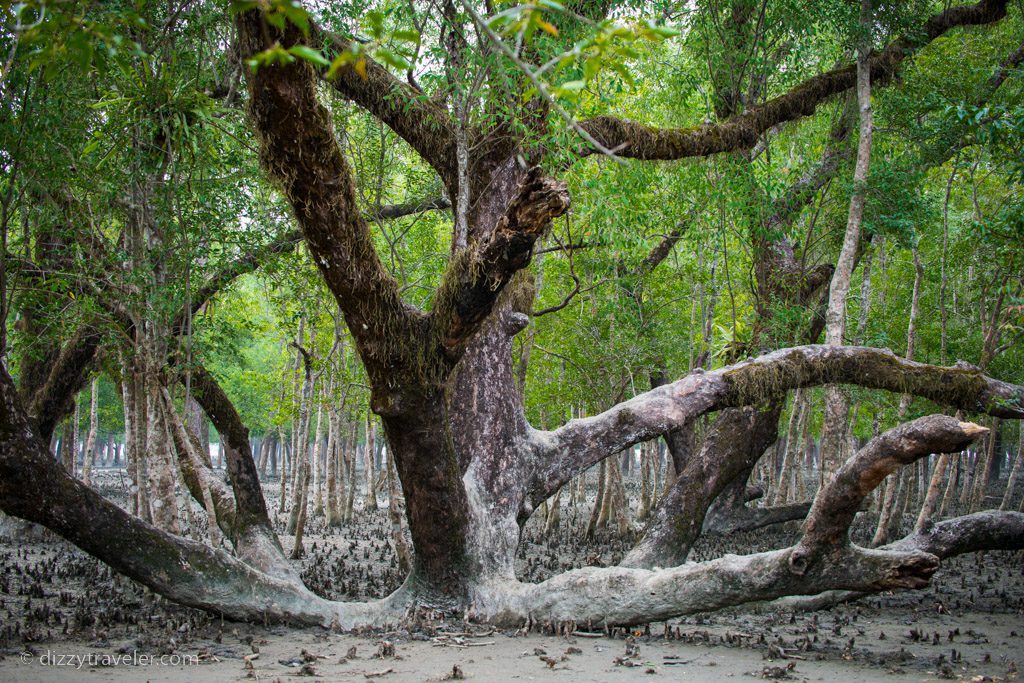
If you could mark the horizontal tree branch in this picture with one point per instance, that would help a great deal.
(580, 443)
(639, 141)
(34, 487)
(823, 560)
(835, 506)
(986, 530)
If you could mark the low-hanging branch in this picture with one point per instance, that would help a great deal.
(579, 444)
(742, 131)
(823, 560)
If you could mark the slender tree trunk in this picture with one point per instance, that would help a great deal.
(970, 465)
(301, 455)
(287, 458)
(618, 504)
(333, 435)
(885, 519)
(595, 514)
(90, 438)
(318, 493)
(949, 496)
(266, 445)
(69, 441)
(943, 278)
(395, 517)
(836, 401)
(554, 516)
(656, 475)
(350, 458)
(907, 486)
(991, 455)
(646, 466)
(163, 501)
(931, 499)
(786, 490)
(370, 501)
(1011, 482)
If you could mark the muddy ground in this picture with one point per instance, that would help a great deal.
(66, 617)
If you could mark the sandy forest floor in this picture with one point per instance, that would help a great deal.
(66, 617)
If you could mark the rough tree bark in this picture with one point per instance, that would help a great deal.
(472, 477)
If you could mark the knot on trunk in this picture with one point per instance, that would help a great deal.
(913, 571)
(539, 200)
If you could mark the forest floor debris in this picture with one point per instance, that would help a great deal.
(66, 617)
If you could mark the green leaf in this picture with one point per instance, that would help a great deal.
(406, 36)
(308, 54)
(392, 59)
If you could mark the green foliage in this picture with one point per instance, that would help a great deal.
(107, 104)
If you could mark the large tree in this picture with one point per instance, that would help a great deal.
(472, 468)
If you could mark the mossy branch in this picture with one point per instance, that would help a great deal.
(580, 443)
(640, 141)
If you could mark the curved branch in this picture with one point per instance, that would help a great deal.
(580, 443)
(986, 530)
(639, 141)
(33, 486)
(300, 152)
(52, 401)
(251, 509)
(840, 500)
(751, 519)
(422, 122)
(823, 560)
